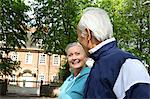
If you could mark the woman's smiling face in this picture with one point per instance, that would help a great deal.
(76, 56)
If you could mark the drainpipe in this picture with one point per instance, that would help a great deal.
(37, 72)
(49, 66)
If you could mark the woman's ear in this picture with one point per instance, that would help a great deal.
(89, 34)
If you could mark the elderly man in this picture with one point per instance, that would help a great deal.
(115, 74)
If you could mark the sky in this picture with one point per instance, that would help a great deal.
(31, 12)
(29, 2)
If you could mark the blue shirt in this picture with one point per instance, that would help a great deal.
(73, 88)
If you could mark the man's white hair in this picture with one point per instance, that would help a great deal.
(98, 21)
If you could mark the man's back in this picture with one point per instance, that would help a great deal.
(104, 75)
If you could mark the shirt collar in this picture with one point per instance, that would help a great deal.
(101, 44)
(84, 71)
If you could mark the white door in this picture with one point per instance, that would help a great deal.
(27, 80)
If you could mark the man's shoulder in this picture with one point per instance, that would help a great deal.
(117, 54)
(111, 63)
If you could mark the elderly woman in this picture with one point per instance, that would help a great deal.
(73, 86)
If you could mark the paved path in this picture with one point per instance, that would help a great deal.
(15, 92)
(23, 91)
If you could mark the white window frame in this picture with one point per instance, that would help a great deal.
(14, 56)
(42, 60)
(14, 77)
(42, 77)
(56, 60)
(28, 59)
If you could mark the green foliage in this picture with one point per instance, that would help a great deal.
(58, 18)
(130, 20)
(12, 32)
(13, 23)
(64, 72)
(7, 66)
(56, 21)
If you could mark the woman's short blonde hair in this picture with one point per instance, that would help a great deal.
(71, 45)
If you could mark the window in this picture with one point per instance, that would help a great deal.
(28, 59)
(42, 59)
(13, 77)
(56, 59)
(55, 78)
(13, 80)
(41, 77)
(14, 56)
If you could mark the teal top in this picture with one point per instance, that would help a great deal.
(73, 88)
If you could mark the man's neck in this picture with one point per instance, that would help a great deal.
(99, 45)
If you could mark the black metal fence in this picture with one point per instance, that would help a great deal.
(24, 83)
(45, 88)
(3, 87)
(48, 89)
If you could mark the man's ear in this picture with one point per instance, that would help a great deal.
(89, 34)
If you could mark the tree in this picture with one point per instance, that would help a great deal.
(7, 66)
(64, 72)
(12, 31)
(55, 23)
(13, 23)
(130, 20)
(59, 18)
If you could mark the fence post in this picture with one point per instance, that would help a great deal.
(3, 87)
(41, 87)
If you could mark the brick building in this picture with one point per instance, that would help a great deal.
(35, 66)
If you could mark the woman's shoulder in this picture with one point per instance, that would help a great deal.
(86, 70)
